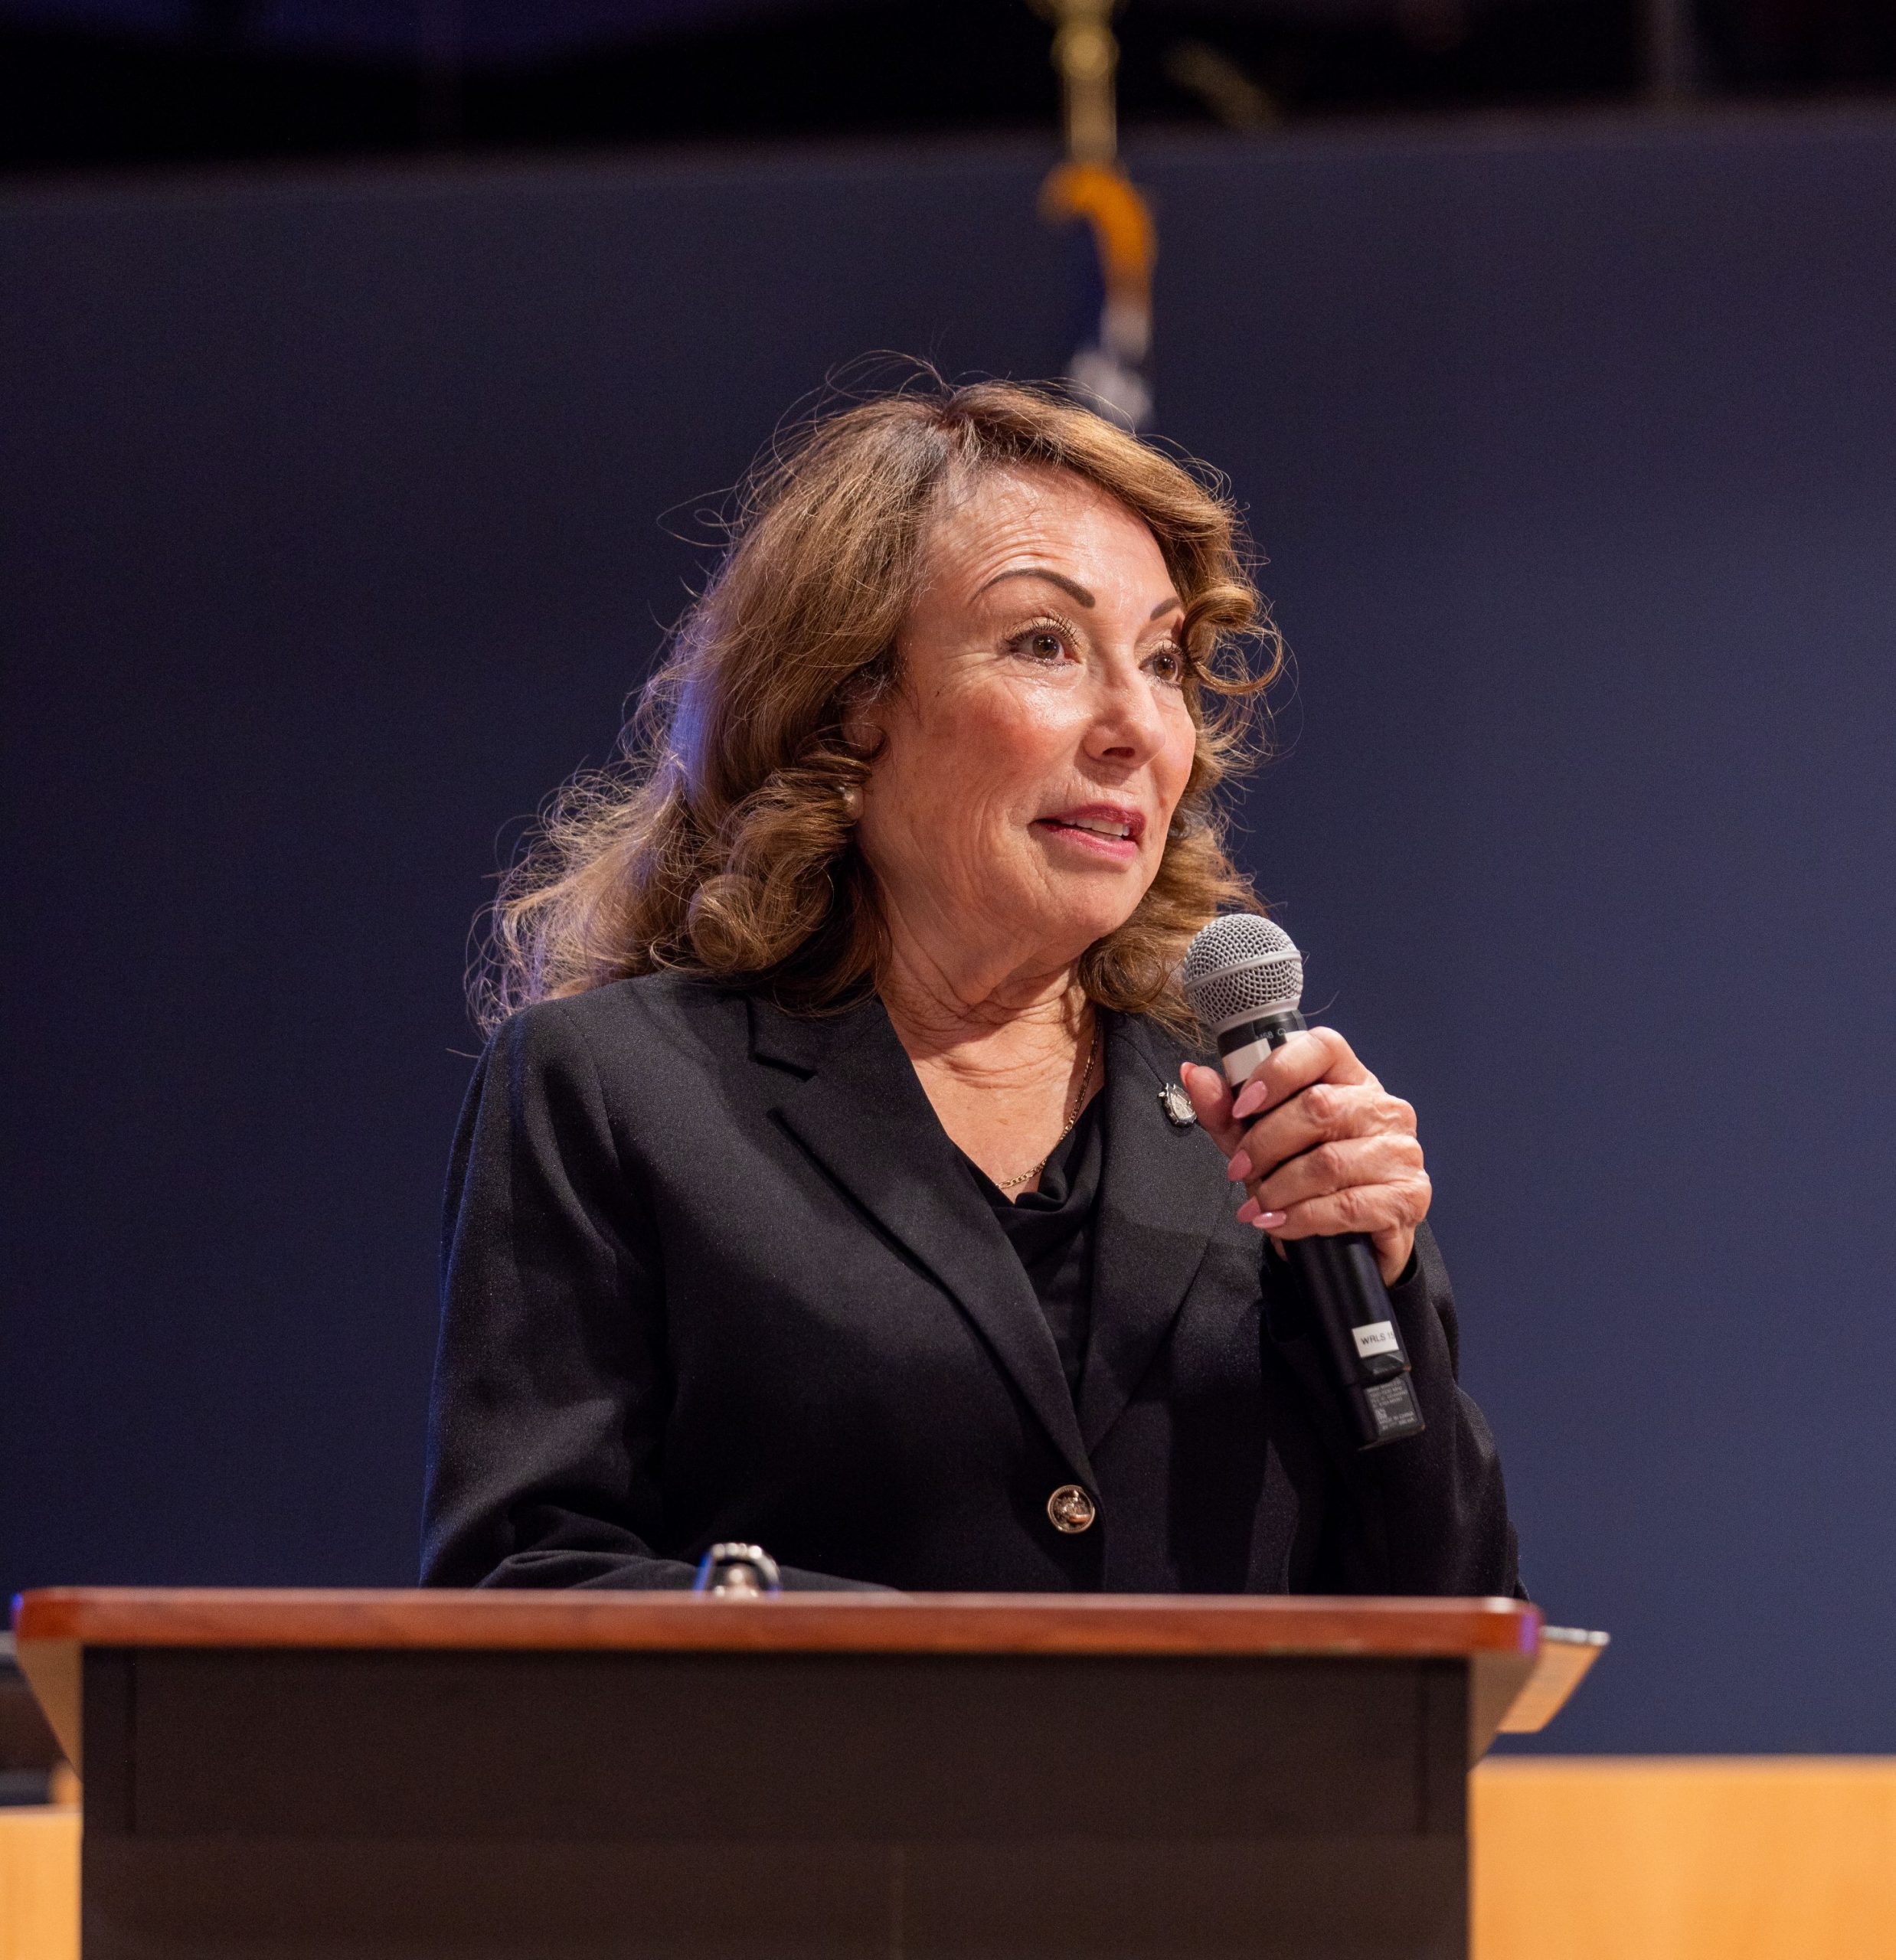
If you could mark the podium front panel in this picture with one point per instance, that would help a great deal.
(324, 1804)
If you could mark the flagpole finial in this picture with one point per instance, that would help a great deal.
(1086, 54)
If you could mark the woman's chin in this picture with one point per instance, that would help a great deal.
(1060, 916)
(1076, 928)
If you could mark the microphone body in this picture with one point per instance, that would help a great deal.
(1244, 976)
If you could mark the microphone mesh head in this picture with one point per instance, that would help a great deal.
(1241, 966)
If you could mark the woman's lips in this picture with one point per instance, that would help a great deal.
(1097, 844)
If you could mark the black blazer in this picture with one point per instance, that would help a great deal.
(715, 1272)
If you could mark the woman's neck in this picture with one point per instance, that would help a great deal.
(982, 1018)
(1003, 1057)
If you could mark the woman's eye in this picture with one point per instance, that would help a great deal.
(1045, 643)
(1169, 663)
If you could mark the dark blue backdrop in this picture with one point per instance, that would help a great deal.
(331, 518)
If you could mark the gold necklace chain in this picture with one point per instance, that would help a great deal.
(1079, 1103)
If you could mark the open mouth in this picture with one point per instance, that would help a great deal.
(1088, 824)
(1116, 831)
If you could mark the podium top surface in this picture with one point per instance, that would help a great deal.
(1521, 1672)
(840, 1622)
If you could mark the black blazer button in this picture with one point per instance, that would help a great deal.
(1071, 1509)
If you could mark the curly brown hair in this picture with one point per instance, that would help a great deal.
(720, 840)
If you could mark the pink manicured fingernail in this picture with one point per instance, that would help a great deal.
(1247, 1211)
(1238, 1169)
(1251, 1098)
(1269, 1221)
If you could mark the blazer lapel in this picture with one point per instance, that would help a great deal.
(1162, 1195)
(862, 1113)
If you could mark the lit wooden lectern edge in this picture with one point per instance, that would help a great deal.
(1521, 1671)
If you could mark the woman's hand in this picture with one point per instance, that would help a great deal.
(1320, 1145)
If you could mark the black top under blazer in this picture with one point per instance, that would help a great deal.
(715, 1272)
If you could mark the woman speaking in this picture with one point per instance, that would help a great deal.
(828, 1183)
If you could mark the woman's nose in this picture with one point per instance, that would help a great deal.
(1126, 722)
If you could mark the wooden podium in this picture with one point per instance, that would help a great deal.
(430, 1776)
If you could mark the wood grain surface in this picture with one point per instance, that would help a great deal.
(1685, 1858)
(935, 1623)
(39, 1883)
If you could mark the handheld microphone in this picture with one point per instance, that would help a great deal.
(1243, 979)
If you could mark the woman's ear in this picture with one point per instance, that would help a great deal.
(864, 705)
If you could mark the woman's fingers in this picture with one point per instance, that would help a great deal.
(1389, 1214)
(1318, 1055)
(1333, 1170)
(1211, 1100)
(1365, 1208)
(1321, 1114)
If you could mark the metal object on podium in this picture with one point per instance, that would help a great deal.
(738, 1572)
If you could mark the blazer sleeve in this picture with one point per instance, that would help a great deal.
(551, 1392)
(1427, 1515)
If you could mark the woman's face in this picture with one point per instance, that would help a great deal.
(1040, 739)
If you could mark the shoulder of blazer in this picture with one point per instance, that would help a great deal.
(653, 1018)
(653, 1033)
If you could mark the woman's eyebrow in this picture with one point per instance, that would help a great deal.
(1071, 587)
(1172, 602)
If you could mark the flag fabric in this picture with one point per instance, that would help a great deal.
(1111, 366)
